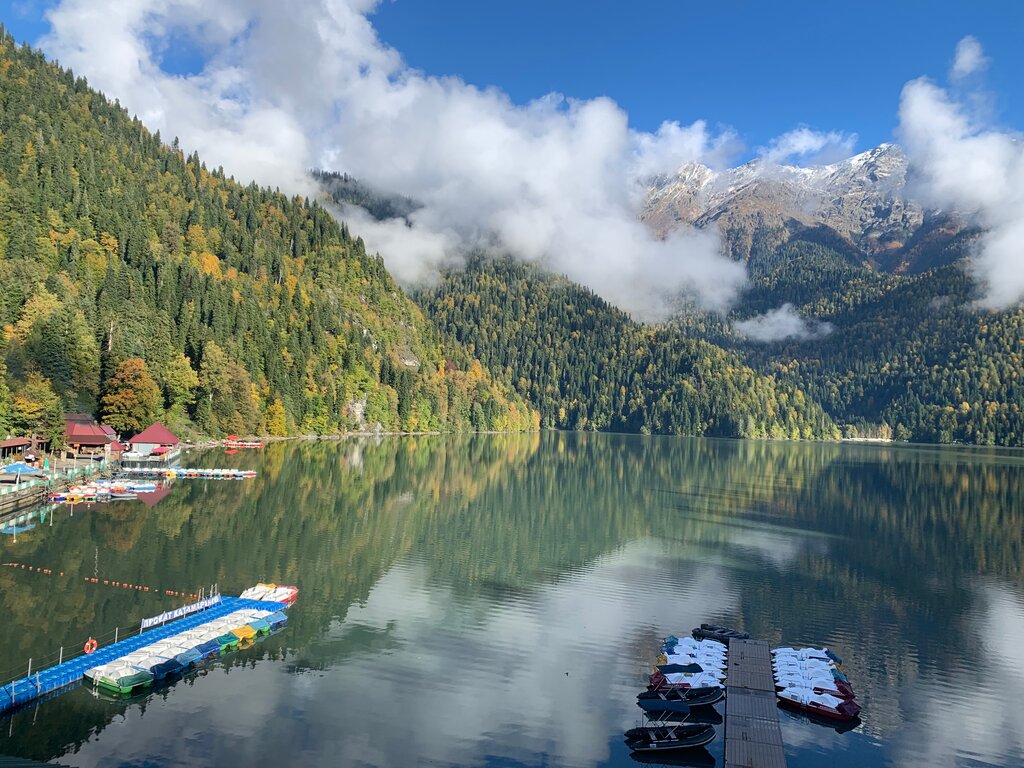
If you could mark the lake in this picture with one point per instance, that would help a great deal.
(498, 600)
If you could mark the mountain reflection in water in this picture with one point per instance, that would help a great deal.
(498, 599)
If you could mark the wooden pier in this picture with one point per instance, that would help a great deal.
(753, 738)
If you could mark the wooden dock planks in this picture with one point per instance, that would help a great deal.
(753, 738)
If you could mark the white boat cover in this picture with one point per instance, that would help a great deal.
(690, 643)
(801, 652)
(704, 664)
(807, 682)
(704, 652)
(146, 663)
(256, 593)
(697, 680)
(812, 664)
(806, 696)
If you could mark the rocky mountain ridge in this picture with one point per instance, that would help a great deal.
(860, 205)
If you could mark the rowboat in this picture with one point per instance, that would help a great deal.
(719, 633)
(678, 700)
(669, 738)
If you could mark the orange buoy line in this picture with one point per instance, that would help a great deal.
(105, 582)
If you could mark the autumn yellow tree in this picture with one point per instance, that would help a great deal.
(132, 399)
(277, 424)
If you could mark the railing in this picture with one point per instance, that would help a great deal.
(66, 653)
(49, 478)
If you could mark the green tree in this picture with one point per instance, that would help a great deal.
(132, 398)
(38, 411)
(6, 403)
(180, 382)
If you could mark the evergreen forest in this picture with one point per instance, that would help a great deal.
(139, 284)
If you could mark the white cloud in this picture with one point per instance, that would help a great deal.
(290, 86)
(805, 146)
(963, 164)
(970, 58)
(782, 323)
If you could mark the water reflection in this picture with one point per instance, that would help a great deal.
(449, 584)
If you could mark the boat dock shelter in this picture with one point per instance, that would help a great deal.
(753, 738)
(44, 682)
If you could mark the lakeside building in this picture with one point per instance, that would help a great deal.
(85, 438)
(156, 444)
(13, 447)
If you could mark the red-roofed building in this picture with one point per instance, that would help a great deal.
(152, 439)
(85, 437)
(14, 446)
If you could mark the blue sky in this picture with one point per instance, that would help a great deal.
(760, 68)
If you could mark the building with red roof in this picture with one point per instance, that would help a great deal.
(155, 440)
(14, 446)
(85, 437)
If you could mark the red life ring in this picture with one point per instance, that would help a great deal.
(90, 645)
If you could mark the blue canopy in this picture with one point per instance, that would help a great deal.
(20, 468)
(166, 668)
(276, 619)
(209, 648)
(680, 669)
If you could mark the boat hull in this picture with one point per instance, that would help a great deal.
(845, 712)
(678, 700)
(669, 738)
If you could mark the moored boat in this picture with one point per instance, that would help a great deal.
(669, 737)
(119, 677)
(245, 633)
(272, 593)
(821, 704)
(718, 633)
(227, 641)
(660, 681)
(678, 700)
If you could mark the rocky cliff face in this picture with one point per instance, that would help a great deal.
(860, 201)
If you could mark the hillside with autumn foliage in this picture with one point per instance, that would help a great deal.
(138, 282)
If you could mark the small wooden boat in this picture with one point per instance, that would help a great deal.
(718, 633)
(669, 738)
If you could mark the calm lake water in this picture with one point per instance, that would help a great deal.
(498, 600)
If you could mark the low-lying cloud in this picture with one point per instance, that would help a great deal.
(285, 87)
(781, 324)
(965, 164)
(805, 146)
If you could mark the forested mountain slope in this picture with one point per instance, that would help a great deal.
(251, 311)
(910, 356)
(587, 365)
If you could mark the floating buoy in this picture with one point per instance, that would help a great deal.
(90, 645)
